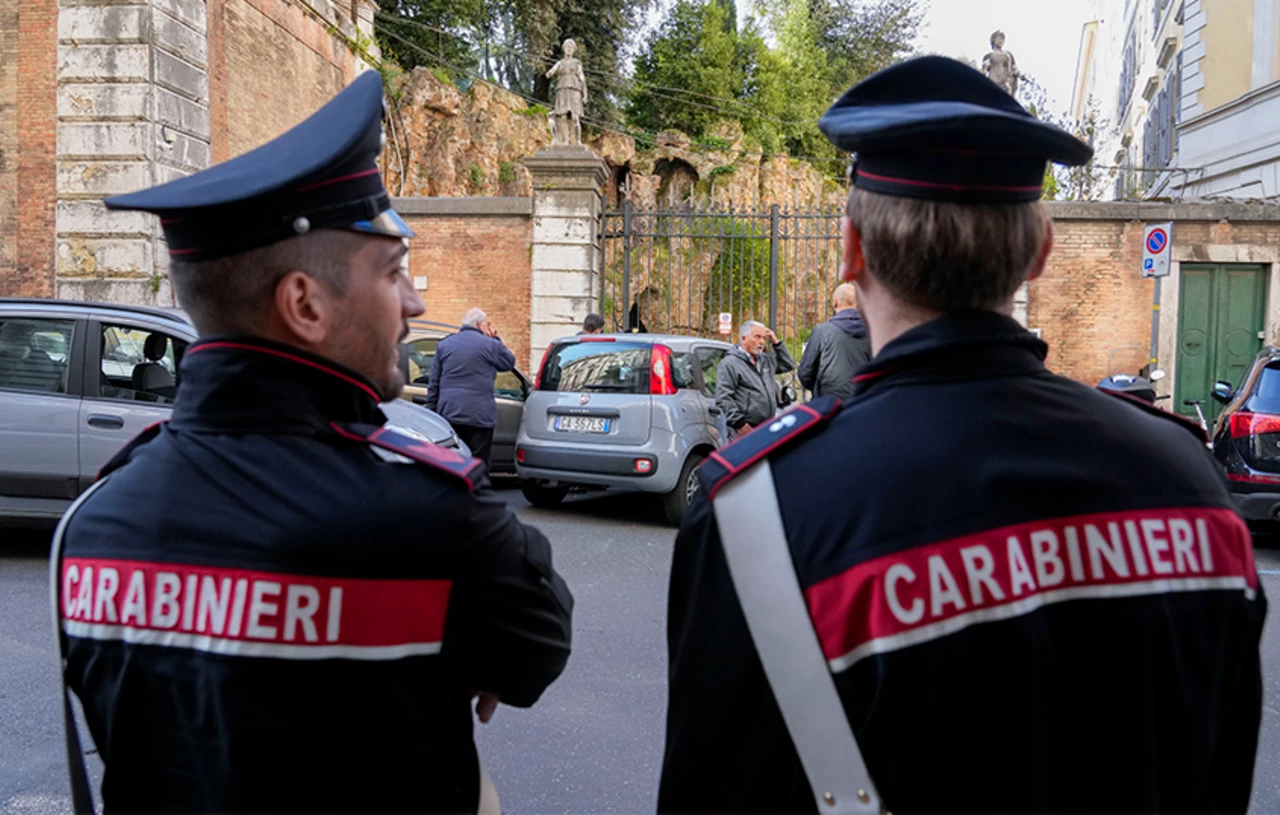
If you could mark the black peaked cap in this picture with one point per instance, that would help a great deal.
(322, 174)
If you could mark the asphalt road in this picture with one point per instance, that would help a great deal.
(594, 741)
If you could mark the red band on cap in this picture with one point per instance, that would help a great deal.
(957, 187)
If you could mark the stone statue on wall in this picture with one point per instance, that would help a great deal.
(571, 97)
(999, 65)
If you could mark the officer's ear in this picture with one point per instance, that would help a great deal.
(853, 264)
(305, 307)
(1042, 259)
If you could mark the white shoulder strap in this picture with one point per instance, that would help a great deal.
(77, 773)
(755, 546)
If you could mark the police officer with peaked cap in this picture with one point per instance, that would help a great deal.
(1018, 593)
(275, 602)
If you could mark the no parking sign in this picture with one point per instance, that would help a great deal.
(1155, 250)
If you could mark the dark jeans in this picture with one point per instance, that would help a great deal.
(479, 439)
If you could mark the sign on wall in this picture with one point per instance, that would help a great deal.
(1157, 240)
(726, 323)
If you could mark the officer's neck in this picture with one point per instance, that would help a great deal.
(888, 318)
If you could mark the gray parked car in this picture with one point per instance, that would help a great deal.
(79, 380)
(625, 411)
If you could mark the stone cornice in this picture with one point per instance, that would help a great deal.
(1154, 211)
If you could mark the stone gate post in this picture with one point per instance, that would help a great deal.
(565, 265)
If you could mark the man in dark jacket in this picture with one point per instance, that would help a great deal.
(1018, 594)
(462, 379)
(746, 379)
(836, 349)
(273, 602)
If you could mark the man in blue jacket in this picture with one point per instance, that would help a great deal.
(462, 380)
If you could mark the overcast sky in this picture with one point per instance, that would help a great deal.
(1042, 35)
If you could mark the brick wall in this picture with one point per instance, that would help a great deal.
(36, 133)
(1092, 301)
(275, 64)
(474, 252)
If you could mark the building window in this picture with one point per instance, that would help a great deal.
(1128, 74)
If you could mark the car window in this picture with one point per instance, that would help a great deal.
(682, 370)
(34, 353)
(421, 354)
(508, 384)
(138, 364)
(1266, 395)
(607, 367)
(709, 358)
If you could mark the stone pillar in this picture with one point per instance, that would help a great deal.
(133, 111)
(565, 265)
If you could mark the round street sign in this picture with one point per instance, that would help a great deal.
(1157, 241)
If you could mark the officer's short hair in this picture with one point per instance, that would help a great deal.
(233, 294)
(942, 256)
(592, 323)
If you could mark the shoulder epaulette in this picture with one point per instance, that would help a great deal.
(727, 462)
(118, 460)
(469, 470)
(1169, 415)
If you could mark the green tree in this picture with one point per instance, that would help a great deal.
(806, 75)
(694, 49)
(861, 37)
(514, 42)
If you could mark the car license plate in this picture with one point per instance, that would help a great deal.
(582, 424)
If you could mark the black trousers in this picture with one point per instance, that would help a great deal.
(479, 439)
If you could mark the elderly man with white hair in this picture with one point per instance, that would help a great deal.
(462, 380)
(746, 379)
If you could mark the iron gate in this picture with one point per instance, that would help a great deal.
(677, 271)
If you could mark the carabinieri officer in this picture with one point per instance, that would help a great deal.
(272, 602)
(993, 589)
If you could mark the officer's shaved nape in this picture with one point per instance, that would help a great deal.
(943, 256)
(234, 294)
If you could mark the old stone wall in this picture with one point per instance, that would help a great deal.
(453, 143)
(474, 252)
(132, 111)
(8, 135)
(101, 97)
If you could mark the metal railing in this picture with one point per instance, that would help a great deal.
(679, 270)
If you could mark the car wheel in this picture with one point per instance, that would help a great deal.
(686, 489)
(541, 495)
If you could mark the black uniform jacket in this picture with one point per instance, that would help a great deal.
(1033, 597)
(264, 612)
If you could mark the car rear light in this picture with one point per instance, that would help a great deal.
(1254, 479)
(537, 383)
(1244, 424)
(643, 465)
(520, 455)
(597, 339)
(660, 380)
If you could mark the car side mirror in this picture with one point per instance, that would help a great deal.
(1222, 391)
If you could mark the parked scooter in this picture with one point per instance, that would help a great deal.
(1139, 387)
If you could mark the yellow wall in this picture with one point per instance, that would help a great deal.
(1228, 57)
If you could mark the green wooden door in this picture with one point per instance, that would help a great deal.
(1221, 312)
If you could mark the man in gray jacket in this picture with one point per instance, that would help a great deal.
(746, 379)
(836, 349)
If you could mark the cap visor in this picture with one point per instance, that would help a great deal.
(389, 223)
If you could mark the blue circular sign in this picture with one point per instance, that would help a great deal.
(1157, 241)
